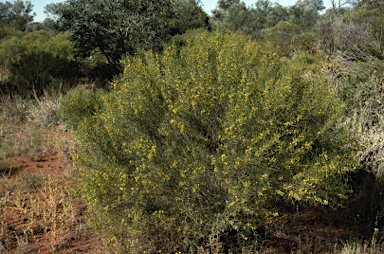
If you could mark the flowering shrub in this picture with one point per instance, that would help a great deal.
(203, 138)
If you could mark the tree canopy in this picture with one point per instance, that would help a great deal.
(116, 27)
(188, 15)
(17, 14)
(234, 15)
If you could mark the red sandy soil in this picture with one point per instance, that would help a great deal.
(75, 238)
(68, 241)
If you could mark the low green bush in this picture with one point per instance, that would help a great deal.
(78, 105)
(197, 143)
(8, 31)
(36, 59)
(307, 42)
(306, 62)
(282, 37)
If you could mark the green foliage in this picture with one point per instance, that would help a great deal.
(78, 105)
(39, 74)
(303, 14)
(377, 28)
(201, 140)
(361, 14)
(53, 10)
(36, 59)
(17, 14)
(189, 15)
(276, 14)
(283, 36)
(47, 24)
(116, 27)
(307, 42)
(371, 4)
(96, 67)
(189, 35)
(316, 4)
(307, 63)
(237, 17)
(8, 31)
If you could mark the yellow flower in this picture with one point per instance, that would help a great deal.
(296, 197)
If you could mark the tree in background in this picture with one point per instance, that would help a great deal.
(371, 5)
(189, 15)
(317, 4)
(234, 15)
(304, 14)
(277, 13)
(16, 15)
(375, 11)
(53, 10)
(116, 27)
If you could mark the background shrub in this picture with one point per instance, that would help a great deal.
(7, 31)
(283, 36)
(78, 105)
(307, 42)
(35, 60)
(200, 141)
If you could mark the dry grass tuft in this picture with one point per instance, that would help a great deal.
(45, 110)
(14, 107)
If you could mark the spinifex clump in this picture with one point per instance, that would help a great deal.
(202, 139)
